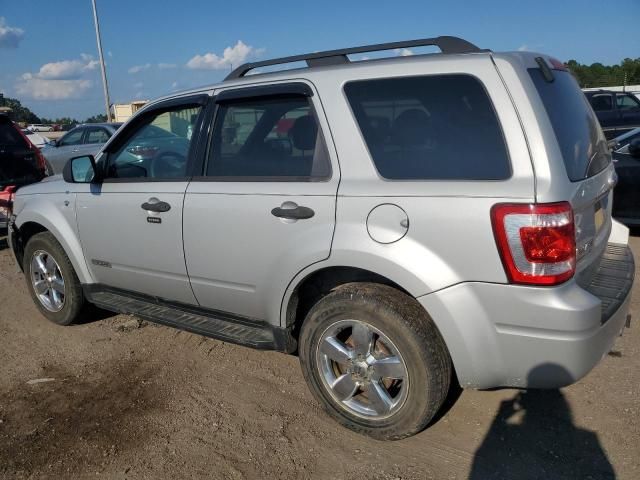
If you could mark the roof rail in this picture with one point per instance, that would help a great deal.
(446, 44)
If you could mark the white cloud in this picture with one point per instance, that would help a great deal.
(523, 48)
(403, 52)
(58, 80)
(166, 66)
(175, 85)
(139, 68)
(67, 69)
(231, 56)
(110, 53)
(138, 85)
(10, 37)
(42, 89)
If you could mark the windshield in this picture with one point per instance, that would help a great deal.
(580, 138)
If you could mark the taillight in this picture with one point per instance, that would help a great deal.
(537, 242)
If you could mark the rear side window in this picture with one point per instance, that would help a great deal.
(583, 146)
(9, 136)
(270, 138)
(440, 127)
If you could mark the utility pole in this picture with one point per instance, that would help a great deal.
(104, 72)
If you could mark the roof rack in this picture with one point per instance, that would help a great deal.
(446, 44)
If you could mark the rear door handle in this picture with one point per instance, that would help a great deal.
(292, 211)
(155, 205)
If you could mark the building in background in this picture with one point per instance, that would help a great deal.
(121, 112)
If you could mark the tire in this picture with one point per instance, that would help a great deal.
(400, 330)
(57, 266)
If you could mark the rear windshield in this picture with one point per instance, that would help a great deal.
(437, 127)
(9, 136)
(582, 144)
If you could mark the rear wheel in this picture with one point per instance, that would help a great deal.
(51, 279)
(375, 360)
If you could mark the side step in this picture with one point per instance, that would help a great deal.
(220, 325)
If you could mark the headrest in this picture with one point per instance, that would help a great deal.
(303, 133)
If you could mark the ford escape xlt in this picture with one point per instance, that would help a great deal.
(397, 222)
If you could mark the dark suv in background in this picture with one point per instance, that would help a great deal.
(617, 112)
(21, 162)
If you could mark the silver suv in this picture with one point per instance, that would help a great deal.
(399, 223)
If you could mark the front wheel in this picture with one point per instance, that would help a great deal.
(375, 360)
(51, 279)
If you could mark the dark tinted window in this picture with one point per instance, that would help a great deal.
(9, 136)
(433, 127)
(602, 102)
(96, 135)
(74, 137)
(268, 137)
(627, 101)
(582, 144)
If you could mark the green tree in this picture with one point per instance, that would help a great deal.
(100, 118)
(599, 75)
(19, 113)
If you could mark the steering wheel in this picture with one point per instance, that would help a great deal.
(168, 165)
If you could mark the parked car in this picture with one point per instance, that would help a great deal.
(617, 112)
(84, 139)
(38, 140)
(21, 162)
(38, 127)
(392, 221)
(626, 156)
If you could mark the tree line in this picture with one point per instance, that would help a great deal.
(626, 72)
(21, 114)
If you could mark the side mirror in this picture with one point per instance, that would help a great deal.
(80, 170)
(634, 148)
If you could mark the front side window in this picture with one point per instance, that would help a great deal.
(440, 127)
(627, 101)
(74, 137)
(268, 138)
(96, 135)
(601, 103)
(158, 148)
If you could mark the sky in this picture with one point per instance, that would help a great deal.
(48, 52)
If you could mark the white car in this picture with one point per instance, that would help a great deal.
(38, 127)
(35, 138)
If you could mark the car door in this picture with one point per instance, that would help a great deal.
(67, 147)
(131, 222)
(608, 115)
(629, 109)
(264, 207)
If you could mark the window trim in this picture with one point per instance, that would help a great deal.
(123, 136)
(279, 90)
(423, 180)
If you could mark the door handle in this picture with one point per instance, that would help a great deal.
(155, 205)
(292, 211)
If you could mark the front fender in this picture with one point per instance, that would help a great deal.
(56, 213)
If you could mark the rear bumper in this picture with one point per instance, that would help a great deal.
(534, 337)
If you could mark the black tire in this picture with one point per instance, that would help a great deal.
(408, 326)
(73, 296)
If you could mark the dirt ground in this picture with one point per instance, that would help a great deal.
(134, 400)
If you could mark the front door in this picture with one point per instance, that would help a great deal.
(264, 208)
(131, 223)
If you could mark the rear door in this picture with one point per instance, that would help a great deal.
(93, 140)
(263, 207)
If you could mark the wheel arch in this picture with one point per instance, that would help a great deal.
(312, 285)
(32, 222)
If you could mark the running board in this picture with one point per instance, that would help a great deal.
(210, 323)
